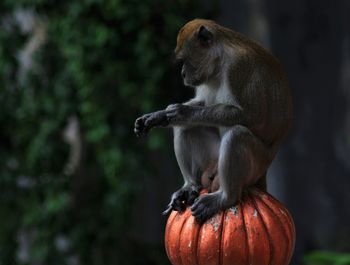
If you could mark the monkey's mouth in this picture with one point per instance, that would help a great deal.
(190, 76)
(192, 82)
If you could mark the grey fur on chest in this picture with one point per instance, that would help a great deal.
(213, 94)
(217, 94)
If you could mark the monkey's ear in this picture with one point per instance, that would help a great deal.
(204, 35)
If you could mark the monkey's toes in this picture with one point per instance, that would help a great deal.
(167, 210)
(179, 206)
(193, 195)
(205, 207)
(176, 205)
(202, 214)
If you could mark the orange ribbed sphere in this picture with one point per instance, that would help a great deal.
(258, 231)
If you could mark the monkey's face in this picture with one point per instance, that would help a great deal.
(199, 56)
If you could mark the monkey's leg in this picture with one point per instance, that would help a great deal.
(242, 161)
(261, 183)
(195, 148)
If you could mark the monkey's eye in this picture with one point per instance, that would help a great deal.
(180, 61)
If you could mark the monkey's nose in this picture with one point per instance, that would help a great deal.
(183, 73)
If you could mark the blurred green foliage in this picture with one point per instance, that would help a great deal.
(105, 63)
(327, 258)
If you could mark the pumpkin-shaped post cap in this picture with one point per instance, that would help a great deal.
(258, 231)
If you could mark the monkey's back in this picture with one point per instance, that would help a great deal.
(262, 88)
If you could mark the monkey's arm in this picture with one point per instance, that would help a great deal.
(160, 118)
(215, 115)
(146, 122)
(193, 103)
(183, 115)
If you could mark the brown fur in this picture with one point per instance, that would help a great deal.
(187, 31)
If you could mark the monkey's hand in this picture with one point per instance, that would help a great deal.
(179, 113)
(209, 204)
(148, 121)
(182, 198)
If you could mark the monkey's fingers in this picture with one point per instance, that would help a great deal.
(139, 133)
(173, 114)
(139, 126)
(193, 196)
(171, 117)
(179, 205)
(173, 106)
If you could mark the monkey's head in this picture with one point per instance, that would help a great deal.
(198, 50)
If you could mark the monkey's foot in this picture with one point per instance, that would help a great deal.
(182, 198)
(208, 205)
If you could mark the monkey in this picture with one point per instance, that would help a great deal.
(240, 114)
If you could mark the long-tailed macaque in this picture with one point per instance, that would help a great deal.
(241, 111)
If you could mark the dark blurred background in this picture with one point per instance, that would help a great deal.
(77, 187)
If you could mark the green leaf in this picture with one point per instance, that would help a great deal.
(327, 258)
